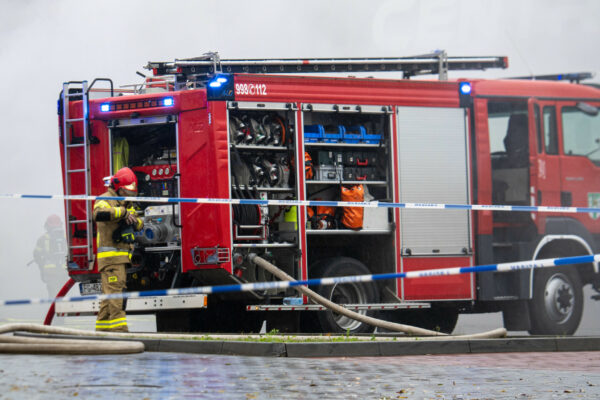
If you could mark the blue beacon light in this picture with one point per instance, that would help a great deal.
(217, 81)
(465, 88)
(168, 101)
(104, 107)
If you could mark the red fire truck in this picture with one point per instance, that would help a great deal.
(272, 130)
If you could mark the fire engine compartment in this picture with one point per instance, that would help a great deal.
(338, 148)
(149, 147)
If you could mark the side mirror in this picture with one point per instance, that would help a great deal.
(587, 109)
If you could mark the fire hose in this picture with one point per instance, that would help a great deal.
(411, 330)
(25, 345)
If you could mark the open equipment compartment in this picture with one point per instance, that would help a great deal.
(149, 147)
(262, 167)
(354, 150)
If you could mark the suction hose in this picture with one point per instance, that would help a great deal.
(412, 330)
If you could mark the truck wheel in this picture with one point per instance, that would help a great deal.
(557, 302)
(436, 319)
(346, 293)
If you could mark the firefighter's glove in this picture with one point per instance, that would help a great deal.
(124, 233)
(131, 218)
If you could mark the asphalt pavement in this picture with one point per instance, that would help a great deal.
(567, 375)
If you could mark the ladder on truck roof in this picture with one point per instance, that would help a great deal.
(436, 63)
(73, 146)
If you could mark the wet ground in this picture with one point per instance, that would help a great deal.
(180, 376)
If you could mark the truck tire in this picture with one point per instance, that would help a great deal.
(435, 319)
(346, 293)
(557, 302)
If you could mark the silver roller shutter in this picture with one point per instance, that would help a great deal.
(433, 168)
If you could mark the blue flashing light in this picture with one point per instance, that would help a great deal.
(217, 81)
(168, 101)
(104, 107)
(465, 88)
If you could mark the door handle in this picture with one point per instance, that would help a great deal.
(566, 199)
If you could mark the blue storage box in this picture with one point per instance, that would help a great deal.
(354, 134)
(313, 133)
(371, 139)
(333, 133)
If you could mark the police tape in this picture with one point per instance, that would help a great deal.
(246, 287)
(308, 203)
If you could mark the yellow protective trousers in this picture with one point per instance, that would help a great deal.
(111, 316)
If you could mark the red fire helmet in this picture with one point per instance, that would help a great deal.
(124, 178)
(53, 221)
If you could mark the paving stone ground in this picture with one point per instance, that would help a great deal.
(179, 376)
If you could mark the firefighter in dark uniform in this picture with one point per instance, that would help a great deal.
(116, 220)
(49, 254)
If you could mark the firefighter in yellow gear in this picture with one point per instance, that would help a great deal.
(116, 220)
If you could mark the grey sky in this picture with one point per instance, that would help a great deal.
(43, 43)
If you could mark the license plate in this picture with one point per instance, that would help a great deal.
(90, 288)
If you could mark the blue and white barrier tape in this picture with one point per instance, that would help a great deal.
(503, 267)
(431, 206)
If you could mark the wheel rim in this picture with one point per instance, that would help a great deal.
(559, 298)
(348, 293)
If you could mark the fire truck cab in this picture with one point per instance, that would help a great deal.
(250, 130)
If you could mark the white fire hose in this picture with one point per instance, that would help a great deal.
(411, 330)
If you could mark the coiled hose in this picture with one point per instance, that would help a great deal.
(411, 330)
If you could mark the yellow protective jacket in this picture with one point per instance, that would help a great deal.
(107, 215)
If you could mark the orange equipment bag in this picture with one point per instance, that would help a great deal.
(308, 166)
(352, 217)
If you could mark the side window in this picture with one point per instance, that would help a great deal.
(550, 131)
(507, 123)
(581, 134)
(538, 128)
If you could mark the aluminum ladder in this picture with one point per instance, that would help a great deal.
(71, 147)
(436, 63)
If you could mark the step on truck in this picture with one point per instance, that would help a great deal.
(294, 129)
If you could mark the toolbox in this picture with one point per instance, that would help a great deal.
(350, 158)
(349, 174)
(329, 172)
(330, 157)
(361, 174)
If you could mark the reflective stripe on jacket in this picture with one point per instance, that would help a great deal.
(107, 215)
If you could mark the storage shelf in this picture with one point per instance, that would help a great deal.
(265, 189)
(359, 145)
(263, 245)
(348, 232)
(381, 183)
(258, 147)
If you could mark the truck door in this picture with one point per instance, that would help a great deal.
(579, 160)
(548, 160)
(546, 164)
